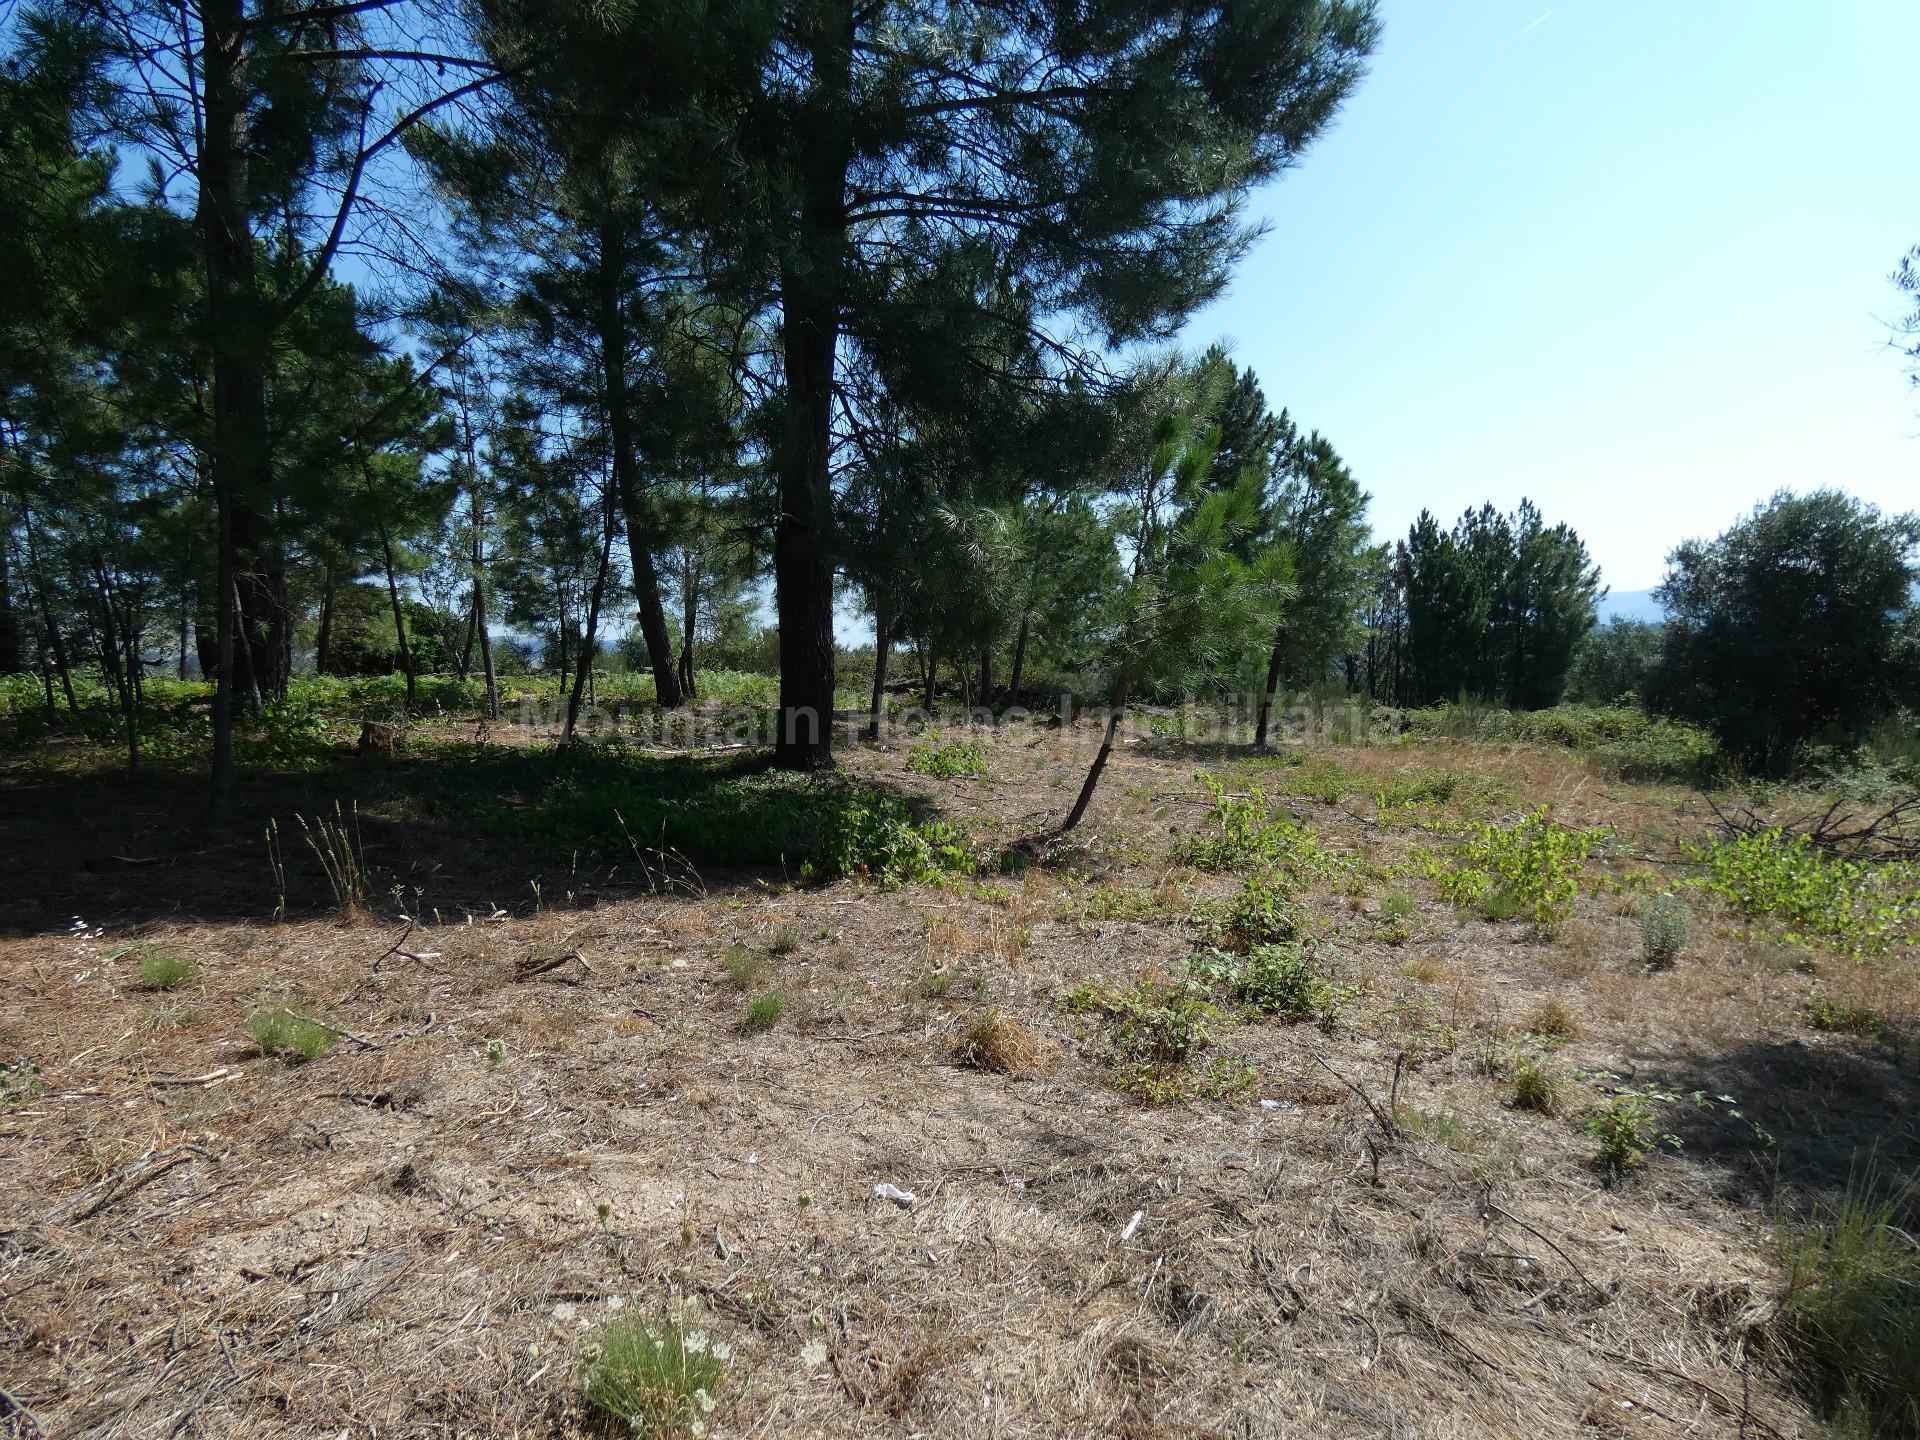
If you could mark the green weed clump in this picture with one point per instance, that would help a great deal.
(658, 1378)
(1536, 1085)
(1851, 1309)
(764, 1012)
(1664, 928)
(1241, 833)
(743, 967)
(291, 1034)
(1842, 1017)
(1156, 1031)
(1282, 982)
(163, 970)
(955, 760)
(1857, 907)
(1626, 1130)
(1533, 867)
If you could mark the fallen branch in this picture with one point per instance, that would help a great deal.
(118, 1186)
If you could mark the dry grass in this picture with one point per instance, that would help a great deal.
(993, 1040)
(412, 1236)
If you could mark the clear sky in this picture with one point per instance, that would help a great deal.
(1629, 259)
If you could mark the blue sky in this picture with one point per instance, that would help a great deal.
(1629, 259)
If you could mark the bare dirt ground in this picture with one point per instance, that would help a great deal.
(534, 1120)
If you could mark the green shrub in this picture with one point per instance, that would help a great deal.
(1263, 912)
(291, 1034)
(1284, 983)
(1536, 1085)
(163, 970)
(955, 760)
(1857, 907)
(1851, 1310)
(764, 1012)
(657, 1378)
(1842, 1017)
(1534, 866)
(1241, 833)
(1664, 928)
(1626, 1130)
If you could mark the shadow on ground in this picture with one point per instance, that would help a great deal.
(1811, 1112)
(457, 828)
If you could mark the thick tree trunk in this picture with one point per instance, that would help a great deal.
(238, 328)
(986, 674)
(399, 615)
(810, 297)
(1117, 706)
(1019, 657)
(186, 610)
(1274, 662)
(882, 643)
(932, 678)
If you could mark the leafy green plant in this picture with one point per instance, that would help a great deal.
(164, 970)
(1284, 983)
(1264, 912)
(659, 1378)
(1850, 1313)
(1241, 833)
(281, 1030)
(1857, 907)
(764, 1012)
(1628, 1127)
(1664, 928)
(1824, 1012)
(1626, 1130)
(955, 760)
(1533, 867)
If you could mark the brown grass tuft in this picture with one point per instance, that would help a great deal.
(995, 1041)
(1553, 1020)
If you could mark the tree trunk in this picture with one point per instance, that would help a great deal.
(626, 467)
(119, 657)
(882, 643)
(1019, 657)
(933, 679)
(323, 637)
(1117, 706)
(186, 610)
(10, 663)
(237, 329)
(811, 281)
(399, 616)
(986, 673)
(241, 656)
(54, 640)
(486, 650)
(689, 619)
(580, 676)
(1266, 697)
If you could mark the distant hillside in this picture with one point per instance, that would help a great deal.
(1632, 605)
